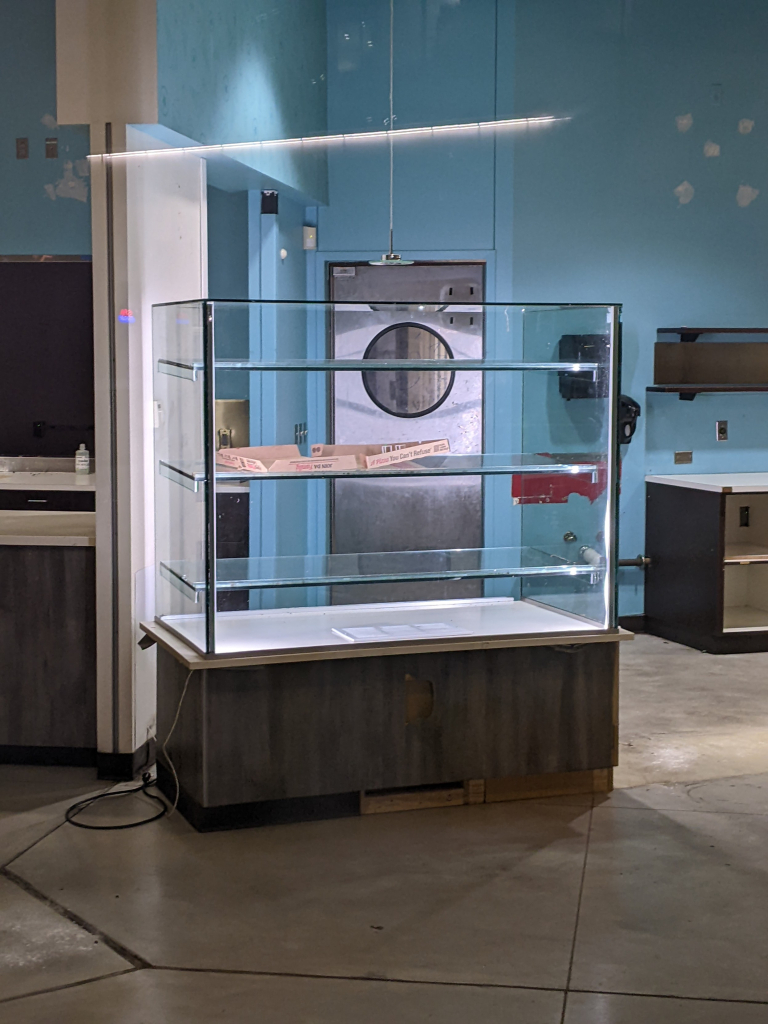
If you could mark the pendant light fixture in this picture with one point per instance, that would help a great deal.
(391, 258)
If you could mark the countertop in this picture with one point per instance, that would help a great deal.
(722, 483)
(43, 481)
(47, 529)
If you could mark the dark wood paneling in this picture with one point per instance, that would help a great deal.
(325, 727)
(186, 746)
(684, 582)
(47, 647)
(47, 501)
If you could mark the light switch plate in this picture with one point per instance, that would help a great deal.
(721, 430)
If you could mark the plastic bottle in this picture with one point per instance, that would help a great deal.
(82, 461)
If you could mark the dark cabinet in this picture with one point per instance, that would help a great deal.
(47, 501)
(47, 654)
(707, 584)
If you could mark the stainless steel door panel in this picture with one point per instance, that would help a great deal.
(408, 515)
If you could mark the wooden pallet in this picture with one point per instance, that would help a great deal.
(488, 791)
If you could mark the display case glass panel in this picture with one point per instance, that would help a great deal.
(352, 474)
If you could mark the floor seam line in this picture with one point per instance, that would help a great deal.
(669, 995)
(16, 856)
(355, 977)
(578, 913)
(55, 828)
(117, 947)
(71, 984)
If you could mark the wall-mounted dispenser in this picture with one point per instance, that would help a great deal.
(583, 348)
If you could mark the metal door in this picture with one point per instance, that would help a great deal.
(422, 514)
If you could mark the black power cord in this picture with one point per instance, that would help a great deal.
(146, 782)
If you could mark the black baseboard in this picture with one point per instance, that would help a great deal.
(263, 812)
(124, 767)
(70, 757)
(634, 623)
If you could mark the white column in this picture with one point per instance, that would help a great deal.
(149, 245)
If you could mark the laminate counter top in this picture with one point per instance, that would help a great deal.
(45, 481)
(47, 529)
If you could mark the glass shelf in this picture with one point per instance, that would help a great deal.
(192, 477)
(286, 571)
(190, 370)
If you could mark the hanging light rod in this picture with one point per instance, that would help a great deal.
(226, 148)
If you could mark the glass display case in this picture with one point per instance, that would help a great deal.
(335, 476)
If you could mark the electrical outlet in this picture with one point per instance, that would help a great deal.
(51, 149)
(22, 149)
(721, 427)
(683, 458)
(744, 515)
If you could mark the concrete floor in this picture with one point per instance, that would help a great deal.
(650, 905)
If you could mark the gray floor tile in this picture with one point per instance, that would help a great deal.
(29, 787)
(33, 801)
(40, 949)
(687, 716)
(169, 997)
(745, 794)
(609, 1009)
(675, 904)
(474, 894)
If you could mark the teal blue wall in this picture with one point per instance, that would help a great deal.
(445, 71)
(44, 204)
(596, 217)
(246, 70)
(586, 211)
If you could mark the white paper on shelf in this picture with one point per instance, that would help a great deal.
(399, 631)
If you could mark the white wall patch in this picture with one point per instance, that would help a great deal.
(49, 121)
(746, 195)
(82, 168)
(684, 122)
(711, 149)
(69, 187)
(685, 192)
(746, 126)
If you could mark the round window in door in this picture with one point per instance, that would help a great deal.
(408, 393)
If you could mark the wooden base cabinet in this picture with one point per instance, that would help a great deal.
(47, 655)
(314, 739)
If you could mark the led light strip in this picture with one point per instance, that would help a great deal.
(314, 140)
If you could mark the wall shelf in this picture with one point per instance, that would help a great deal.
(710, 367)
